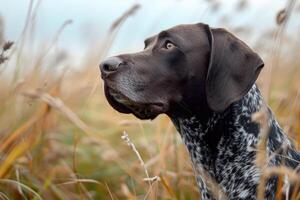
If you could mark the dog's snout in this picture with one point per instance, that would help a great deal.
(110, 65)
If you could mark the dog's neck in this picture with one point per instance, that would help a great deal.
(202, 135)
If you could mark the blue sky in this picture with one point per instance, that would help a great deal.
(91, 19)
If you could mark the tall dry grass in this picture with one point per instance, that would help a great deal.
(59, 139)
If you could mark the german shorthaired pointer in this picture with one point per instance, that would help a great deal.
(204, 80)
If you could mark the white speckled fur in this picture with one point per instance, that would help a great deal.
(231, 164)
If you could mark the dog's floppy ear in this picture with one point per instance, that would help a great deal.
(233, 69)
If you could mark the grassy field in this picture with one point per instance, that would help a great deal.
(59, 138)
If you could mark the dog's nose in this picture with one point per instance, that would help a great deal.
(110, 65)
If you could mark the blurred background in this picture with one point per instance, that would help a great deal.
(59, 138)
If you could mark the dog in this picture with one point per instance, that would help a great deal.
(203, 78)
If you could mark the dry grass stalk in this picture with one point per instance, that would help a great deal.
(1, 30)
(282, 18)
(58, 104)
(149, 179)
(167, 187)
(12, 156)
(152, 179)
(296, 193)
(113, 30)
(212, 184)
(6, 46)
(262, 118)
(122, 18)
(126, 138)
(280, 185)
(109, 191)
(282, 170)
(74, 181)
(242, 5)
(23, 39)
(18, 184)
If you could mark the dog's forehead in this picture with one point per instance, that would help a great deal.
(185, 29)
(190, 36)
(192, 32)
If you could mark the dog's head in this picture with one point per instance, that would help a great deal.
(188, 65)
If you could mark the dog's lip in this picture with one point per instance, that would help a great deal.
(124, 104)
(120, 97)
(157, 107)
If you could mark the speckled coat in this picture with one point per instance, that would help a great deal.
(225, 147)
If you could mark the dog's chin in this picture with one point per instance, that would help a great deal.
(123, 104)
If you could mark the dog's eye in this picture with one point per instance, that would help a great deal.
(169, 45)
